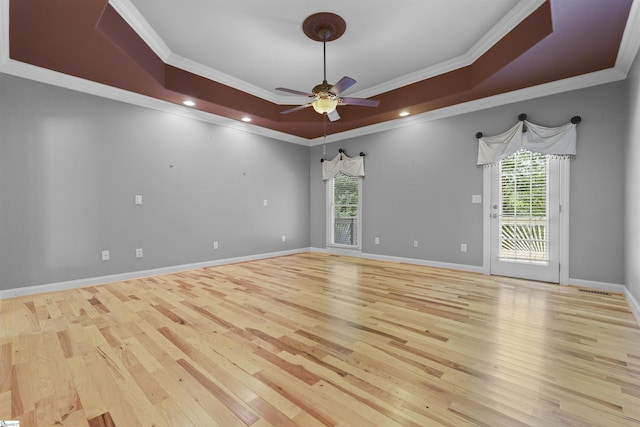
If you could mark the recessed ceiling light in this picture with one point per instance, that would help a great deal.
(189, 103)
(246, 119)
(404, 114)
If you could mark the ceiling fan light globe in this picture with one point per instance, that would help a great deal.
(324, 105)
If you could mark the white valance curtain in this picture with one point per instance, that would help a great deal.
(558, 141)
(352, 166)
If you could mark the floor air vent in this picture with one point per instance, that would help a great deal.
(593, 291)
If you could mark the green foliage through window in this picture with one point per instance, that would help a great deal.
(524, 185)
(345, 196)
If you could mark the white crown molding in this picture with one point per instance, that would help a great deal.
(220, 77)
(43, 75)
(573, 83)
(630, 40)
(20, 69)
(510, 21)
(495, 34)
(626, 56)
(139, 24)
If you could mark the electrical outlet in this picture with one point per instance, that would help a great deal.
(463, 247)
(139, 253)
(415, 243)
(215, 245)
(105, 255)
(377, 240)
(284, 238)
(265, 203)
(138, 199)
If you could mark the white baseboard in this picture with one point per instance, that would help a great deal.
(611, 287)
(426, 263)
(92, 281)
(591, 284)
(633, 304)
(601, 286)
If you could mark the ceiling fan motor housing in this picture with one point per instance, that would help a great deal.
(322, 90)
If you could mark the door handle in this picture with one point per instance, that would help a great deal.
(495, 215)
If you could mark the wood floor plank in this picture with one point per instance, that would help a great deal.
(317, 340)
(180, 396)
(102, 420)
(6, 361)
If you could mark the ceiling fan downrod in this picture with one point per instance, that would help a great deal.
(324, 34)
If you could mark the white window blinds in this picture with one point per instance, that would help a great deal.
(524, 212)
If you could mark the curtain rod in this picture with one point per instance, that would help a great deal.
(522, 117)
(342, 151)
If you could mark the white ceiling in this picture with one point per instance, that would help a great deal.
(258, 45)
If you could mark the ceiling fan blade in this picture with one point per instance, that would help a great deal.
(295, 92)
(333, 115)
(342, 85)
(363, 102)
(299, 107)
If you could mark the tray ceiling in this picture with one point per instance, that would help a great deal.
(228, 57)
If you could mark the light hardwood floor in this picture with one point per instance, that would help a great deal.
(319, 340)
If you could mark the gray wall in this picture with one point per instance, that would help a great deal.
(632, 189)
(71, 164)
(420, 180)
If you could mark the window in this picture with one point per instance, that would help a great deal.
(344, 211)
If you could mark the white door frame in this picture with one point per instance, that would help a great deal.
(563, 243)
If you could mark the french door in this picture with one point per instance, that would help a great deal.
(527, 239)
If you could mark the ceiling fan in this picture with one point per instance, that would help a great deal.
(326, 97)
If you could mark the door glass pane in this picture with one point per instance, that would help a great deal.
(524, 219)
